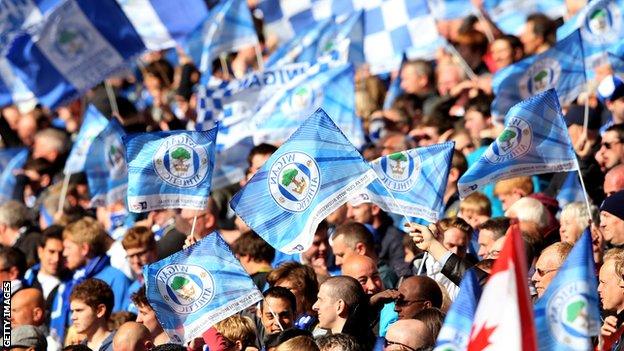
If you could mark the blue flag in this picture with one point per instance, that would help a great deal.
(451, 9)
(12, 89)
(325, 85)
(229, 28)
(197, 287)
(17, 15)
(601, 27)
(571, 190)
(416, 180)
(510, 15)
(81, 42)
(312, 174)
(10, 160)
(106, 167)
(535, 140)
(455, 332)
(394, 90)
(559, 68)
(92, 125)
(169, 169)
(568, 314)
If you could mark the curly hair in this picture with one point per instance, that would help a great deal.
(94, 292)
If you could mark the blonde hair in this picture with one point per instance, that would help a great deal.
(298, 343)
(506, 186)
(87, 231)
(477, 202)
(237, 328)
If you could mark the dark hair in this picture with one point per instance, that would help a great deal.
(498, 226)
(162, 70)
(301, 276)
(543, 27)
(261, 149)
(13, 257)
(514, 42)
(278, 292)
(480, 103)
(338, 342)
(77, 347)
(619, 129)
(40, 165)
(54, 231)
(251, 244)
(459, 161)
(169, 347)
(433, 319)
(475, 40)
(94, 292)
(139, 298)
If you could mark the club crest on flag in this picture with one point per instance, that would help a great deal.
(302, 98)
(72, 41)
(541, 76)
(400, 170)
(569, 316)
(513, 142)
(602, 24)
(185, 288)
(115, 159)
(294, 181)
(180, 161)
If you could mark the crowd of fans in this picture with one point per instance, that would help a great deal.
(365, 283)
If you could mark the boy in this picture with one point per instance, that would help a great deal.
(91, 304)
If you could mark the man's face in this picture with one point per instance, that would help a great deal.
(326, 308)
(257, 161)
(475, 122)
(612, 183)
(341, 250)
(411, 80)
(83, 316)
(276, 310)
(486, 241)
(362, 213)
(51, 256)
(455, 241)
(147, 317)
(317, 253)
(409, 303)
(530, 41)
(22, 312)
(612, 228)
(74, 255)
(502, 53)
(610, 288)
(139, 257)
(611, 151)
(368, 277)
(447, 80)
(569, 230)
(545, 270)
(617, 110)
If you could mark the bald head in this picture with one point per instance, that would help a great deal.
(614, 180)
(27, 308)
(132, 336)
(364, 269)
(410, 332)
(416, 294)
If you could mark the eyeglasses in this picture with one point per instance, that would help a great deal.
(137, 254)
(388, 343)
(608, 145)
(542, 272)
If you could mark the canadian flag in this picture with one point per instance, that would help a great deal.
(504, 316)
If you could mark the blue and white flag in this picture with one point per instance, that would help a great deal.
(394, 90)
(535, 140)
(94, 122)
(571, 190)
(415, 179)
(81, 42)
(169, 169)
(197, 287)
(12, 89)
(229, 28)
(451, 9)
(312, 174)
(391, 27)
(325, 85)
(17, 15)
(559, 68)
(567, 316)
(457, 326)
(106, 167)
(11, 160)
(601, 26)
(510, 15)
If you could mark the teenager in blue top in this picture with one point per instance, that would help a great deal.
(140, 245)
(91, 302)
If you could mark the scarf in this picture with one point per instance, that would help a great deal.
(59, 318)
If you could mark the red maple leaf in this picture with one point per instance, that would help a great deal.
(481, 339)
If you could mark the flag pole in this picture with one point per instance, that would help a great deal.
(586, 115)
(488, 31)
(223, 61)
(111, 98)
(61, 202)
(274, 316)
(589, 212)
(259, 57)
(193, 226)
(469, 72)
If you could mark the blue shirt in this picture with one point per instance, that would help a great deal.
(118, 282)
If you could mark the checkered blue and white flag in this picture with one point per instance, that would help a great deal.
(510, 15)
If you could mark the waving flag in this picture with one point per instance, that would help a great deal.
(510, 15)
(92, 125)
(106, 167)
(197, 287)
(559, 68)
(325, 85)
(169, 169)
(535, 140)
(394, 90)
(229, 28)
(510, 327)
(10, 160)
(451, 9)
(567, 316)
(17, 15)
(80, 42)
(12, 89)
(458, 322)
(312, 174)
(416, 180)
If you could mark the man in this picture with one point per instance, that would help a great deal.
(147, 317)
(409, 334)
(611, 152)
(611, 291)
(354, 239)
(277, 310)
(12, 267)
(417, 78)
(547, 265)
(27, 338)
(478, 118)
(46, 275)
(530, 212)
(140, 246)
(387, 238)
(511, 190)
(415, 294)
(16, 230)
(91, 304)
(27, 308)
(490, 231)
(205, 223)
(255, 255)
(614, 180)
(132, 336)
(364, 269)
(317, 255)
(538, 34)
(612, 219)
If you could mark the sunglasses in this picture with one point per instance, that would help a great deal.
(608, 145)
